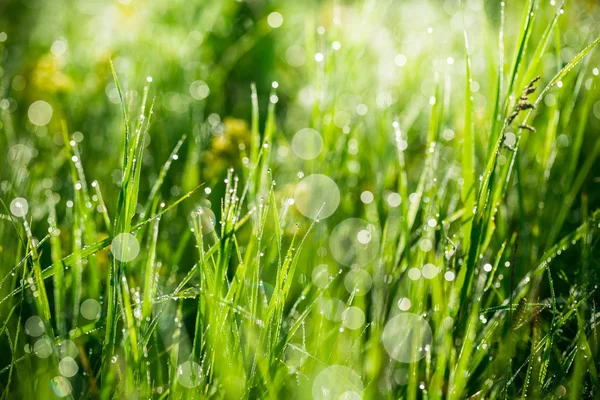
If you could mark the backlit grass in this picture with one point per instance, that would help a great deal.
(330, 200)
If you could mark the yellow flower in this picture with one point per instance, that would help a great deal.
(48, 77)
(225, 149)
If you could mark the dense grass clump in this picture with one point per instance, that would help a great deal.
(327, 200)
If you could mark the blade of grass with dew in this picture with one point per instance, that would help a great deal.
(536, 58)
(149, 283)
(161, 177)
(108, 225)
(468, 147)
(201, 307)
(124, 214)
(589, 162)
(83, 215)
(529, 12)
(56, 254)
(497, 113)
(494, 324)
(479, 222)
(486, 188)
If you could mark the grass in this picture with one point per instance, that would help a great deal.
(184, 236)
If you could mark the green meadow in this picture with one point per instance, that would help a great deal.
(328, 200)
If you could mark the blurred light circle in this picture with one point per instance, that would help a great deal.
(189, 374)
(366, 197)
(295, 55)
(404, 304)
(58, 48)
(362, 109)
(199, 90)
(68, 367)
(401, 376)
(90, 309)
(295, 355)
(400, 60)
(354, 242)
(20, 154)
(394, 199)
(429, 271)
(317, 196)
(321, 276)
(332, 309)
(425, 245)
(34, 326)
(414, 274)
(341, 119)
(307, 143)
(364, 236)
(19, 207)
(275, 20)
(334, 382)
(407, 337)
(125, 247)
(67, 348)
(353, 318)
(43, 348)
(207, 219)
(61, 386)
(358, 282)
(350, 395)
(40, 113)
